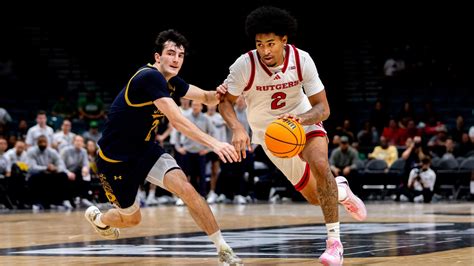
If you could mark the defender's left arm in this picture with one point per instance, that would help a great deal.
(206, 97)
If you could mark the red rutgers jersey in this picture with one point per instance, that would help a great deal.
(270, 92)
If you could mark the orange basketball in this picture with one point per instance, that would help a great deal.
(285, 138)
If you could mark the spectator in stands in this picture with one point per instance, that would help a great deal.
(47, 176)
(63, 109)
(429, 116)
(185, 107)
(421, 182)
(406, 114)
(465, 146)
(385, 152)
(343, 159)
(194, 152)
(92, 148)
(77, 169)
(232, 177)
(379, 117)
(17, 189)
(5, 117)
(450, 149)
(22, 130)
(394, 134)
(91, 107)
(334, 144)
(411, 131)
(345, 130)
(63, 138)
(17, 153)
(414, 153)
(5, 166)
(457, 132)
(437, 143)
(219, 134)
(40, 129)
(93, 133)
(368, 135)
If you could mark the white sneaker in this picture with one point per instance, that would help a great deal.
(239, 199)
(107, 232)
(227, 257)
(211, 197)
(418, 199)
(67, 205)
(151, 200)
(86, 203)
(164, 199)
(221, 199)
(179, 202)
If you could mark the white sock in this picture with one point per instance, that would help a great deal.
(341, 192)
(99, 222)
(472, 187)
(333, 230)
(218, 240)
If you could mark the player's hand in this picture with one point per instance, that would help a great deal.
(290, 116)
(226, 152)
(221, 90)
(241, 142)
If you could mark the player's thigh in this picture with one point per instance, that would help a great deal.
(293, 168)
(120, 186)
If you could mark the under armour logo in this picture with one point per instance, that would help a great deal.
(117, 177)
(276, 77)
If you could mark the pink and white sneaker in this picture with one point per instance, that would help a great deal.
(333, 255)
(352, 203)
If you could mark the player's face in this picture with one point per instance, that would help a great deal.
(270, 48)
(170, 60)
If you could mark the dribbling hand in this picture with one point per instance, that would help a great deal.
(290, 116)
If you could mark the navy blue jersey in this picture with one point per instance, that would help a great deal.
(133, 118)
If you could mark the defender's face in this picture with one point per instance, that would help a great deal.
(170, 60)
(270, 48)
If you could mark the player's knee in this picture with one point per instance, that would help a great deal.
(321, 166)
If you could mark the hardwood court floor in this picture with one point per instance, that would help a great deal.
(263, 234)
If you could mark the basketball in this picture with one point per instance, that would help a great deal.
(285, 138)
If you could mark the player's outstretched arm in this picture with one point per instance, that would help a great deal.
(205, 97)
(225, 151)
(240, 137)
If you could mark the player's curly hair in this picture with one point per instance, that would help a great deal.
(269, 19)
(169, 35)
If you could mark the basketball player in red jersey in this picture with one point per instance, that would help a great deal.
(272, 79)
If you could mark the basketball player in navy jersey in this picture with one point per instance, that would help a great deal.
(129, 155)
(272, 78)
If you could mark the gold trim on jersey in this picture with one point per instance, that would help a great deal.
(105, 158)
(126, 92)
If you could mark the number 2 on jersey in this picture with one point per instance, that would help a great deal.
(278, 100)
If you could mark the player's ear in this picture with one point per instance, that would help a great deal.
(284, 39)
(157, 57)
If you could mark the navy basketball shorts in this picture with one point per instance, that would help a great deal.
(121, 180)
